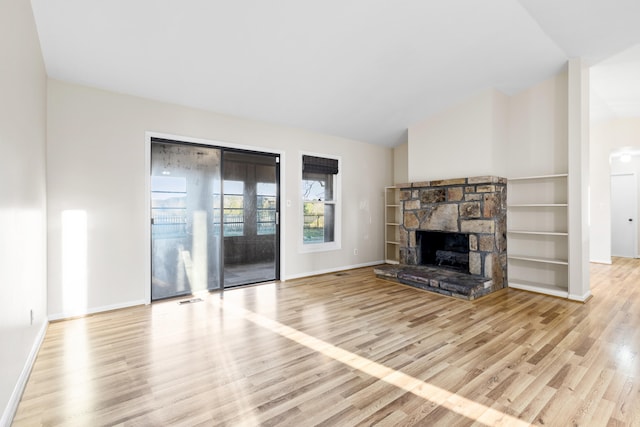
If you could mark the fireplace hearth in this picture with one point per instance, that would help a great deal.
(453, 236)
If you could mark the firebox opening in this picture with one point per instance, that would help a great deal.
(444, 249)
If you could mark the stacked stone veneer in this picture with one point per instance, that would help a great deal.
(476, 206)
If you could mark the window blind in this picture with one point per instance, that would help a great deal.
(312, 164)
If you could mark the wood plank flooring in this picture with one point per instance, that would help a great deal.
(348, 349)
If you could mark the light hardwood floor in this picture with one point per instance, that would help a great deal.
(348, 349)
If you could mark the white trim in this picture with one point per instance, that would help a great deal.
(16, 395)
(147, 224)
(214, 143)
(331, 270)
(601, 261)
(579, 298)
(337, 232)
(62, 316)
(283, 212)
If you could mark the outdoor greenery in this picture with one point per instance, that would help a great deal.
(313, 230)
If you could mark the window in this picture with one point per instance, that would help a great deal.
(232, 208)
(169, 205)
(320, 202)
(266, 208)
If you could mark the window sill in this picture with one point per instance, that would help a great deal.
(319, 247)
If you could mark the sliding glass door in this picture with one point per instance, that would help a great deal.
(250, 217)
(214, 216)
(185, 241)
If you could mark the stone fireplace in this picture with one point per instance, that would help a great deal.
(453, 236)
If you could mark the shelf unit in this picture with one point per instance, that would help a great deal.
(392, 219)
(537, 233)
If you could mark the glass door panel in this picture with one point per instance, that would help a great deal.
(249, 215)
(185, 240)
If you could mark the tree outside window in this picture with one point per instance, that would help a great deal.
(318, 199)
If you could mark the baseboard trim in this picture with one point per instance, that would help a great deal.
(330, 270)
(601, 261)
(580, 298)
(94, 310)
(14, 400)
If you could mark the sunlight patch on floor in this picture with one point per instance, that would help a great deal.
(451, 401)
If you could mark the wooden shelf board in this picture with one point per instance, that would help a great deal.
(392, 242)
(542, 288)
(539, 259)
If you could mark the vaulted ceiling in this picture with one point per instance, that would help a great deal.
(361, 69)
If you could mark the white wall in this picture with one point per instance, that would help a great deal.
(469, 139)
(500, 125)
(96, 165)
(22, 200)
(606, 137)
(600, 184)
(493, 134)
(538, 131)
(400, 164)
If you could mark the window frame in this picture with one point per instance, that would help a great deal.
(259, 209)
(336, 244)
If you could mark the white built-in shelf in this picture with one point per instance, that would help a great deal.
(531, 178)
(393, 208)
(540, 205)
(539, 259)
(539, 217)
(539, 233)
(554, 290)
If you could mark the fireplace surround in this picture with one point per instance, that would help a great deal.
(472, 209)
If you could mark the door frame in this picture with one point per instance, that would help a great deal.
(149, 135)
(635, 198)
